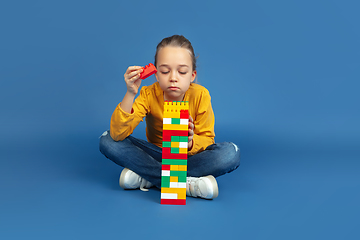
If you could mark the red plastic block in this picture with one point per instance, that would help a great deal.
(166, 154)
(166, 138)
(148, 71)
(175, 133)
(165, 167)
(168, 133)
(173, 201)
(184, 114)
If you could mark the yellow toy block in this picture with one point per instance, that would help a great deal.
(175, 127)
(172, 109)
(182, 194)
(174, 167)
(174, 179)
(175, 144)
(182, 168)
(173, 190)
(172, 114)
(183, 150)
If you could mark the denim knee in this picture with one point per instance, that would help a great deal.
(108, 146)
(228, 152)
(104, 142)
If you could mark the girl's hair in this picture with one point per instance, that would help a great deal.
(177, 41)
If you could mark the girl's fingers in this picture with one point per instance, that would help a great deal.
(191, 126)
(191, 119)
(133, 68)
(134, 74)
(134, 78)
(191, 132)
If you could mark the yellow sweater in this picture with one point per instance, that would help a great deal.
(150, 104)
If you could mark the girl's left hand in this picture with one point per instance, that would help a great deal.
(191, 132)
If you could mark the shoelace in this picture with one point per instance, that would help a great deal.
(143, 184)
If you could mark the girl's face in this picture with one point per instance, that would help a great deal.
(175, 72)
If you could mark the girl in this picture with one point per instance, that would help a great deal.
(176, 64)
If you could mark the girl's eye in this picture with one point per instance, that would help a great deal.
(183, 73)
(165, 72)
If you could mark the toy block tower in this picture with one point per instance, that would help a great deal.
(174, 153)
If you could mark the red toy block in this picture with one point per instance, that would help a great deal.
(165, 167)
(184, 114)
(166, 154)
(168, 133)
(173, 201)
(175, 133)
(166, 138)
(148, 70)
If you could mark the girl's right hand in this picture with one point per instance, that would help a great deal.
(132, 79)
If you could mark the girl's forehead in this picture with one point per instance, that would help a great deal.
(174, 55)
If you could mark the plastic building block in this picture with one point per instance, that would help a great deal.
(182, 167)
(175, 127)
(183, 150)
(184, 114)
(167, 120)
(173, 201)
(174, 153)
(175, 144)
(174, 161)
(174, 168)
(167, 144)
(183, 145)
(184, 121)
(166, 167)
(169, 195)
(165, 173)
(148, 71)
(175, 139)
(167, 154)
(174, 179)
(175, 133)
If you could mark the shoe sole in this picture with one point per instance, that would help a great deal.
(122, 178)
(214, 183)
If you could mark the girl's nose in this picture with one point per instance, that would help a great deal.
(173, 77)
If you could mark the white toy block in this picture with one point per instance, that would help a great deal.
(169, 196)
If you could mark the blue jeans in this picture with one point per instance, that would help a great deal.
(145, 158)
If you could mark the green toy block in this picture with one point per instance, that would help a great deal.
(183, 139)
(166, 144)
(165, 181)
(175, 139)
(178, 173)
(182, 179)
(175, 121)
(174, 162)
(174, 150)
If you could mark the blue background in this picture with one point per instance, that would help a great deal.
(284, 80)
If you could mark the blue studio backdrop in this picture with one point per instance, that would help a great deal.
(284, 81)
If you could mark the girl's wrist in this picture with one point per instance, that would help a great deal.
(130, 94)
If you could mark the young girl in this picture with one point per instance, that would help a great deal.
(176, 65)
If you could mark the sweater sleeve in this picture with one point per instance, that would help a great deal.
(204, 122)
(122, 124)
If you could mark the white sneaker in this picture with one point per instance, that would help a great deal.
(204, 187)
(130, 180)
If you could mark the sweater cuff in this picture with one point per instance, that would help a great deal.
(127, 117)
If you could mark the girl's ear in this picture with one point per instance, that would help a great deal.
(156, 76)
(193, 76)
